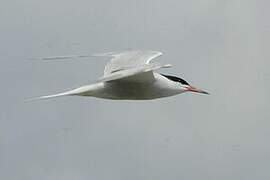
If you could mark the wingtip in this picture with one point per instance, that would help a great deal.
(32, 99)
(44, 97)
(167, 65)
(59, 58)
(37, 98)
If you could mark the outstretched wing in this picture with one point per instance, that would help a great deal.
(127, 65)
(127, 60)
(131, 66)
(140, 73)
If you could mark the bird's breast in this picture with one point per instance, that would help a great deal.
(135, 90)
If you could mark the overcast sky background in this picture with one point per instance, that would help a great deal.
(221, 46)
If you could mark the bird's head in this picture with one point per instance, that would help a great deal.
(185, 86)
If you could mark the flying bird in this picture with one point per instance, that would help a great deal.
(131, 75)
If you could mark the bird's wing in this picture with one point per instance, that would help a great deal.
(80, 90)
(127, 65)
(55, 58)
(128, 60)
(140, 73)
(119, 60)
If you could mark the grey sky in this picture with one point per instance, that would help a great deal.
(221, 46)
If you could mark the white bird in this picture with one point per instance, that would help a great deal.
(131, 75)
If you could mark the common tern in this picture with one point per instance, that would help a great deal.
(131, 75)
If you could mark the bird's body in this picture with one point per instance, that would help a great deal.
(130, 76)
(124, 90)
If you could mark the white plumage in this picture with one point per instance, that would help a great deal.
(130, 75)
